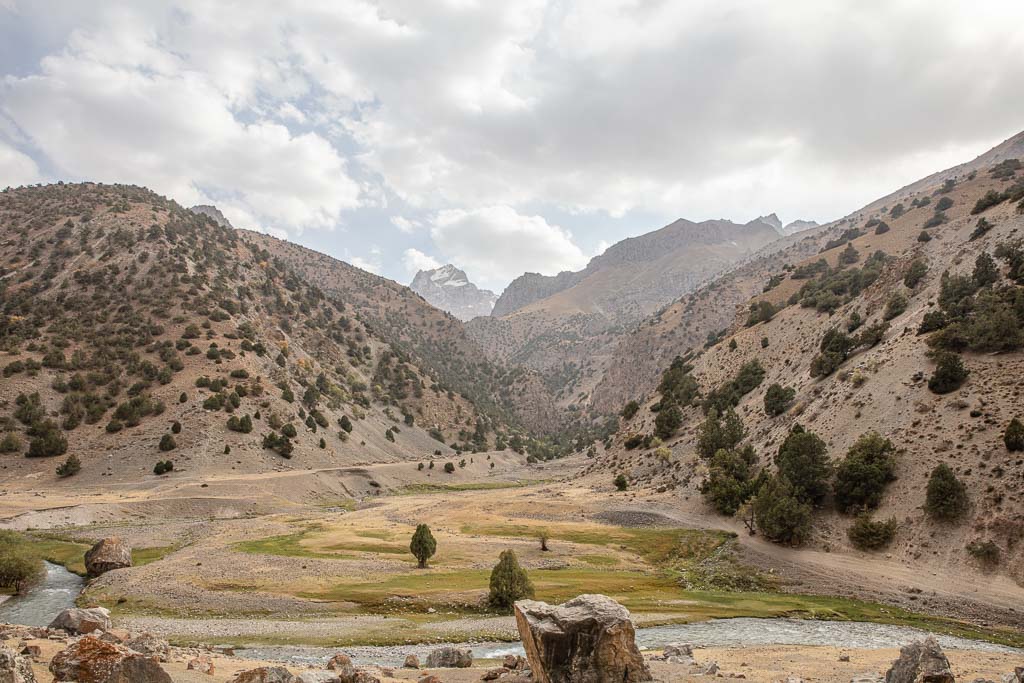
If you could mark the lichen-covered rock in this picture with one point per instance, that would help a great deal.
(411, 662)
(450, 658)
(264, 674)
(15, 668)
(110, 553)
(921, 662)
(78, 620)
(589, 639)
(90, 660)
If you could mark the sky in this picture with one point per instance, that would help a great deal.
(503, 136)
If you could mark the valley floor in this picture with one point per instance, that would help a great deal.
(289, 558)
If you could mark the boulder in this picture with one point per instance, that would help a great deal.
(343, 665)
(411, 662)
(317, 677)
(589, 639)
(264, 674)
(921, 662)
(365, 677)
(514, 662)
(15, 668)
(202, 664)
(494, 674)
(90, 660)
(78, 620)
(450, 658)
(1015, 676)
(110, 553)
(148, 644)
(678, 650)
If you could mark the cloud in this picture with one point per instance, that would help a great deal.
(369, 265)
(415, 260)
(121, 106)
(495, 244)
(404, 224)
(16, 168)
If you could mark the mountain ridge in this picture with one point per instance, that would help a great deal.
(449, 289)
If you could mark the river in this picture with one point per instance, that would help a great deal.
(45, 601)
(60, 588)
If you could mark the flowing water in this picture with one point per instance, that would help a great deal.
(59, 589)
(715, 633)
(42, 603)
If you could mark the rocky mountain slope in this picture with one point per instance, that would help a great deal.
(565, 327)
(134, 332)
(449, 289)
(904, 319)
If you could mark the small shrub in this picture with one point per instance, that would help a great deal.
(423, 546)
(895, 306)
(946, 497)
(629, 410)
(915, 273)
(949, 375)
(70, 467)
(163, 467)
(167, 443)
(863, 474)
(1013, 437)
(924, 236)
(449, 467)
(778, 399)
(868, 534)
(621, 483)
(986, 552)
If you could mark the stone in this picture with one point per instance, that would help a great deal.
(711, 668)
(921, 662)
(678, 650)
(429, 678)
(494, 674)
(844, 658)
(82, 621)
(32, 650)
(450, 658)
(15, 668)
(589, 639)
(90, 660)
(264, 674)
(514, 662)
(110, 553)
(411, 662)
(343, 665)
(365, 677)
(148, 644)
(202, 664)
(317, 677)
(869, 677)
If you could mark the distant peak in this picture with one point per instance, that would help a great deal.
(213, 212)
(449, 289)
(772, 220)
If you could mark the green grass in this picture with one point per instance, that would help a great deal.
(415, 489)
(71, 554)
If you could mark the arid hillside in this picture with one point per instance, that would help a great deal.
(135, 332)
(906, 321)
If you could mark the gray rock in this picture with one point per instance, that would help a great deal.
(411, 662)
(589, 639)
(110, 553)
(317, 677)
(450, 658)
(264, 674)
(711, 668)
(678, 650)
(869, 677)
(82, 621)
(148, 644)
(91, 659)
(921, 662)
(14, 668)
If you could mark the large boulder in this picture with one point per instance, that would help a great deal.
(264, 674)
(90, 660)
(921, 662)
(78, 620)
(14, 668)
(450, 658)
(110, 553)
(589, 639)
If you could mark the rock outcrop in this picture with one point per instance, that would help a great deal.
(589, 639)
(15, 668)
(450, 658)
(110, 553)
(90, 660)
(78, 620)
(148, 644)
(921, 662)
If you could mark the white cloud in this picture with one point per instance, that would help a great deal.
(16, 168)
(415, 260)
(369, 265)
(495, 244)
(404, 224)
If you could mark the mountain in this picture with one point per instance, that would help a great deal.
(566, 326)
(904, 319)
(798, 226)
(449, 289)
(136, 331)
